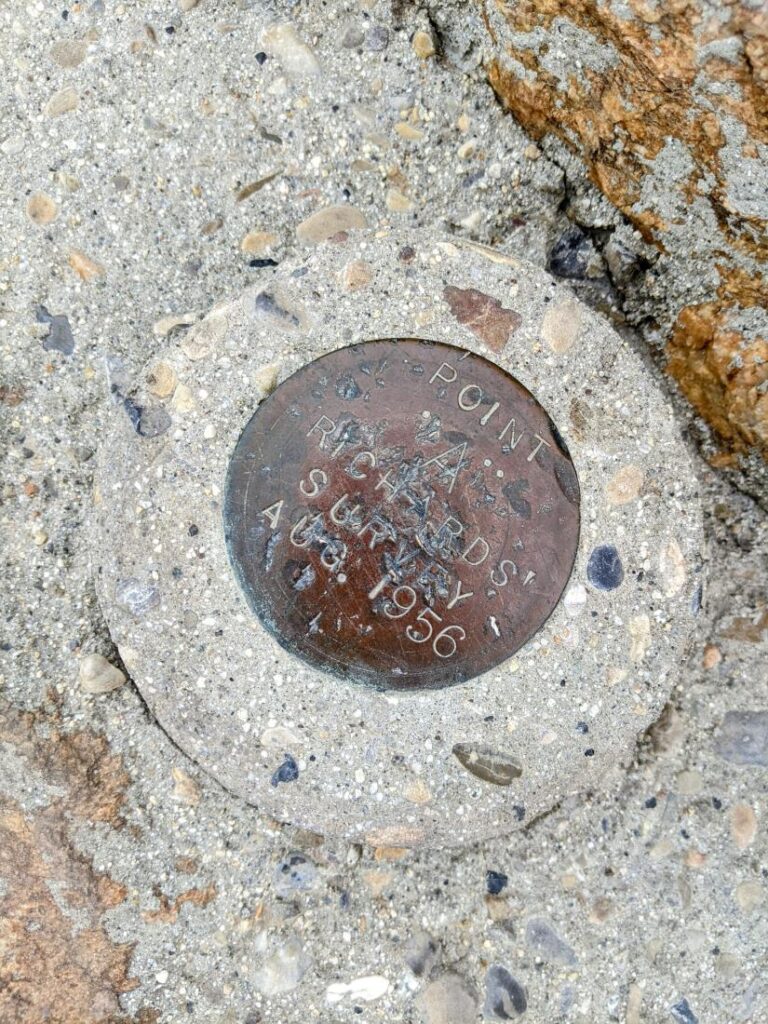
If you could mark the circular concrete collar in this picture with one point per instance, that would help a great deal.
(399, 768)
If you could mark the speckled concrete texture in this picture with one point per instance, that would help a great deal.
(138, 148)
(375, 765)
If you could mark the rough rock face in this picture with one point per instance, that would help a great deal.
(666, 105)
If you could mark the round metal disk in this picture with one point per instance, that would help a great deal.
(402, 512)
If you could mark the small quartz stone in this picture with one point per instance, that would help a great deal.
(282, 42)
(137, 597)
(97, 675)
(560, 326)
(363, 990)
(328, 222)
(283, 969)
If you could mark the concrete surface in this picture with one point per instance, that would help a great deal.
(134, 889)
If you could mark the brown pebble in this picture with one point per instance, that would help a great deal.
(185, 788)
(357, 274)
(258, 241)
(85, 268)
(743, 825)
(41, 209)
(712, 656)
(423, 44)
(625, 485)
(325, 223)
(161, 380)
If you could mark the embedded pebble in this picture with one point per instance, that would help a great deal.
(575, 600)
(283, 969)
(137, 597)
(423, 44)
(640, 637)
(672, 568)
(749, 895)
(283, 42)
(484, 315)
(625, 485)
(59, 337)
(294, 874)
(560, 326)
(258, 241)
(572, 254)
(743, 738)
(448, 1000)
(266, 378)
(356, 275)
(377, 38)
(188, 5)
(185, 789)
(417, 792)
(201, 340)
(97, 675)
(69, 53)
(363, 990)
(85, 268)
(743, 825)
(353, 37)
(604, 568)
(495, 881)
(683, 1013)
(41, 209)
(161, 380)
(287, 772)
(183, 400)
(326, 223)
(488, 765)
(167, 324)
(547, 944)
(62, 102)
(420, 954)
(505, 997)
(148, 420)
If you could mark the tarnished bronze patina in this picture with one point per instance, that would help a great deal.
(402, 512)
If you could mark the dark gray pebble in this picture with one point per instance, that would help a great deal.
(287, 772)
(505, 998)
(59, 337)
(604, 568)
(683, 1013)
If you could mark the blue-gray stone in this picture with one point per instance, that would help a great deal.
(547, 944)
(505, 997)
(604, 568)
(294, 873)
(59, 337)
(743, 738)
(683, 1013)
